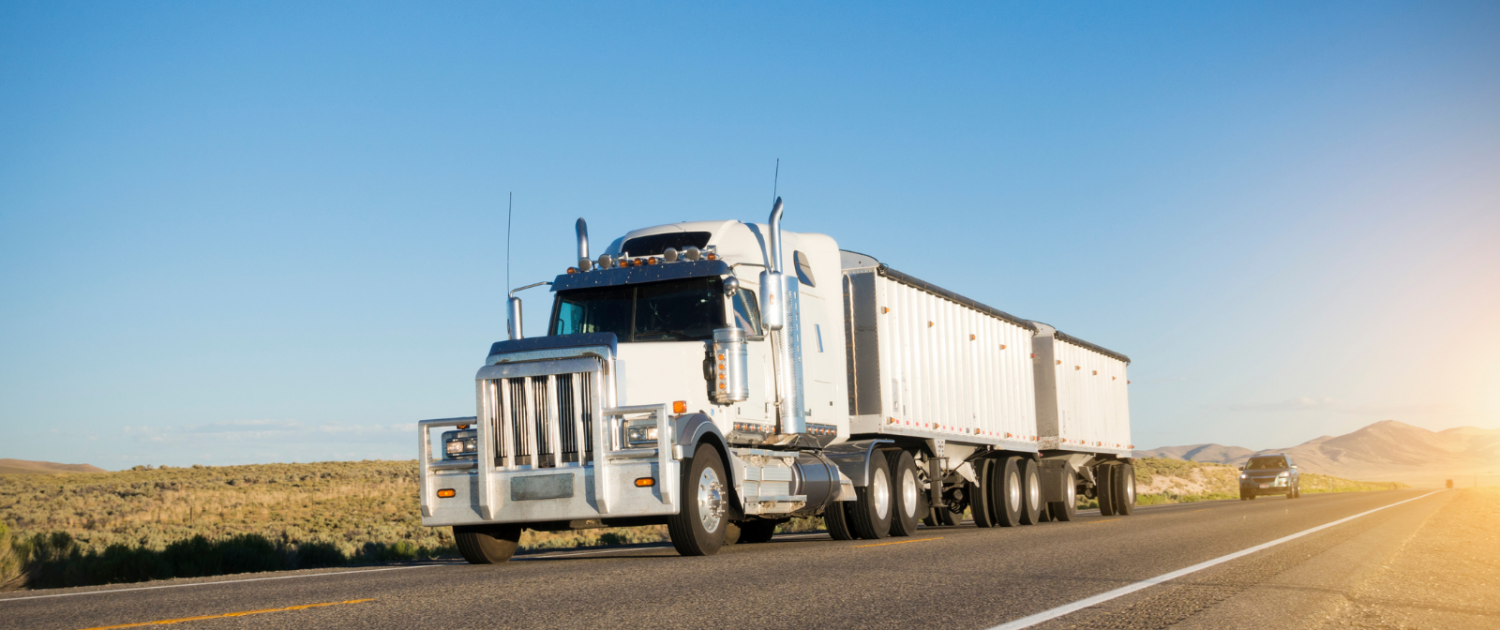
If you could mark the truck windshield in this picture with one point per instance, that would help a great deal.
(1265, 463)
(678, 310)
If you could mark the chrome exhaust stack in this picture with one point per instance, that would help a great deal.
(513, 310)
(778, 299)
(513, 317)
(584, 262)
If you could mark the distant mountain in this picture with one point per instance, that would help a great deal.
(1384, 451)
(23, 467)
(1208, 453)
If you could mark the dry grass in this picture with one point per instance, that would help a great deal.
(333, 513)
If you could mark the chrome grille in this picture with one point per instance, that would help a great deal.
(539, 421)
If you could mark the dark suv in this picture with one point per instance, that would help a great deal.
(1270, 474)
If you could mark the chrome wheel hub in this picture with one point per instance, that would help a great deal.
(1013, 492)
(710, 500)
(880, 493)
(1034, 490)
(909, 493)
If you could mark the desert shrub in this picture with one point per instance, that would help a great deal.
(10, 558)
(317, 555)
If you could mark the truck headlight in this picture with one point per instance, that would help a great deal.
(641, 433)
(458, 444)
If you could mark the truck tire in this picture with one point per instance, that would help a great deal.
(698, 529)
(1044, 515)
(1124, 494)
(1031, 492)
(1006, 499)
(486, 544)
(752, 532)
(979, 495)
(906, 500)
(1066, 509)
(1104, 488)
(870, 514)
(836, 520)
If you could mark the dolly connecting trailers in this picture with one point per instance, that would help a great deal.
(724, 377)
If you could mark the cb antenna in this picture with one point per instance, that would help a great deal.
(509, 207)
(776, 180)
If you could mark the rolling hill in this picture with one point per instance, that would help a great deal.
(1384, 451)
(24, 467)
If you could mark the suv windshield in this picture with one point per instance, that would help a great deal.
(1265, 463)
(679, 310)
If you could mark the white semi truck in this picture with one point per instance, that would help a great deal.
(722, 377)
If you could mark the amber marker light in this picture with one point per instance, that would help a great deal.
(645, 482)
(679, 406)
(572, 270)
(652, 261)
(445, 493)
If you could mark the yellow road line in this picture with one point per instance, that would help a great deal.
(899, 542)
(1110, 520)
(233, 614)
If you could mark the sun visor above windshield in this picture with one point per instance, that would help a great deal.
(637, 275)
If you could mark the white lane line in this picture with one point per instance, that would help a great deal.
(281, 577)
(1027, 622)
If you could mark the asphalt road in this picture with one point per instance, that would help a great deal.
(945, 577)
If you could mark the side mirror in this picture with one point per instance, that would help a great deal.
(1242, 469)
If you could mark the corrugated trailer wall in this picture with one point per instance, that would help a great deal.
(926, 362)
(1082, 394)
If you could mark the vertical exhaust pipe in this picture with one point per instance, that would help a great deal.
(513, 318)
(772, 281)
(584, 262)
(513, 310)
(776, 290)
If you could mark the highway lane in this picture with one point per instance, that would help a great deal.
(958, 577)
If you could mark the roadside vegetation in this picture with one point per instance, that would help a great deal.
(78, 529)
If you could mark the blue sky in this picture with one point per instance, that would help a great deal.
(235, 234)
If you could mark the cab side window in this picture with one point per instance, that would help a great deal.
(747, 313)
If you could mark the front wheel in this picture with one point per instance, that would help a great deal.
(487, 544)
(698, 529)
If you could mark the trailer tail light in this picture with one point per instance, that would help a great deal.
(645, 482)
(446, 493)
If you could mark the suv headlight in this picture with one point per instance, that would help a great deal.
(1285, 474)
(641, 433)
